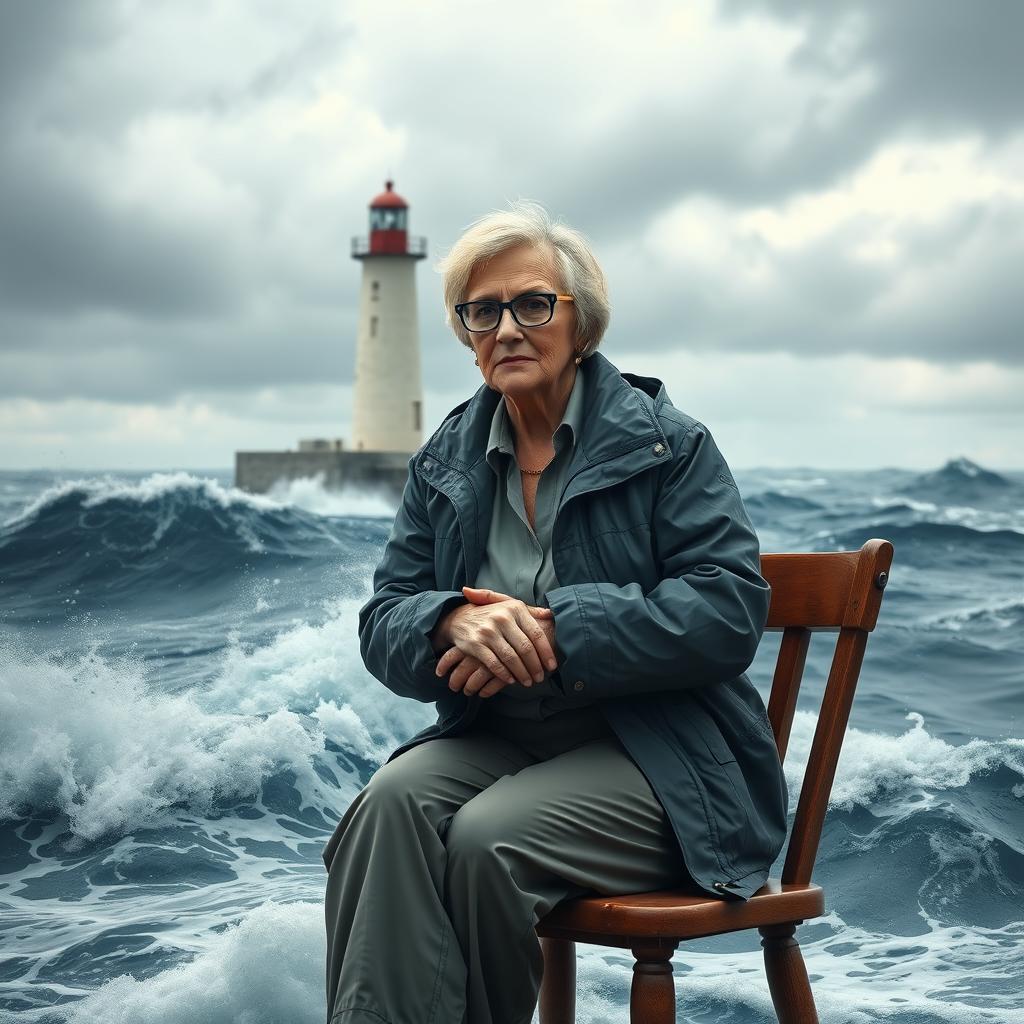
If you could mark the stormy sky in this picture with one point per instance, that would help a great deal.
(811, 215)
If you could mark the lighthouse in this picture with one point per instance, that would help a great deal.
(388, 399)
(387, 414)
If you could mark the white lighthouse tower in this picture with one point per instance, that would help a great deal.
(388, 406)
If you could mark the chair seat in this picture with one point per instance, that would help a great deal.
(678, 913)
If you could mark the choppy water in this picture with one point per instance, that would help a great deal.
(184, 716)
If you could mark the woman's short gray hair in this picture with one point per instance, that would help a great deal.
(528, 222)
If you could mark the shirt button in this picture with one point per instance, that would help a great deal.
(659, 448)
(578, 685)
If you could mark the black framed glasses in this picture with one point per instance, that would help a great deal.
(532, 309)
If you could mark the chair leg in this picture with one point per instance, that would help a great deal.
(556, 1003)
(652, 995)
(787, 975)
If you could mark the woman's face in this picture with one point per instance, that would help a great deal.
(549, 350)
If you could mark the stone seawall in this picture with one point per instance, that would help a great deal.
(257, 472)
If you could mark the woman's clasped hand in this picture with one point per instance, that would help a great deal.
(498, 640)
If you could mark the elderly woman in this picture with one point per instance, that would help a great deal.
(573, 579)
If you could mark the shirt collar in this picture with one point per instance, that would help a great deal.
(565, 436)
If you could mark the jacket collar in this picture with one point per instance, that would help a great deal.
(619, 437)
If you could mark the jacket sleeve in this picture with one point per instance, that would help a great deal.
(396, 622)
(702, 623)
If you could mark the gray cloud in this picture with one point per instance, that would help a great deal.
(36, 38)
(941, 67)
(68, 249)
(124, 361)
(826, 303)
(144, 296)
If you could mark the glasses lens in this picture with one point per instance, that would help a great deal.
(480, 316)
(532, 310)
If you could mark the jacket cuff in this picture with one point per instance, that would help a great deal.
(430, 607)
(581, 631)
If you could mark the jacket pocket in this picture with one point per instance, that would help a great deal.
(719, 748)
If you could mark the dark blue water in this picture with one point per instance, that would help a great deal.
(184, 716)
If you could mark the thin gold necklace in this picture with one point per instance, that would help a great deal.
(534, 472)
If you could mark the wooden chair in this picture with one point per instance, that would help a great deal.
(838, 592)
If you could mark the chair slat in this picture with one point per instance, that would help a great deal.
(789, 671)
(821, 764)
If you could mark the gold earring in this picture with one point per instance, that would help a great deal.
(579, 359)
(477, 361)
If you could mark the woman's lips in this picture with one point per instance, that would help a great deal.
(516, 359)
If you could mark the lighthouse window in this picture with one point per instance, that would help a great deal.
(375, 290)
(387, 219)
(373, 327)
(416, 415)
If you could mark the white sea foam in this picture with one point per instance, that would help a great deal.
(981, 519)
(874, 766)
(915, 505)
(310, 494)
(795, 483)
(318, 670)
(267, 969)
(90, 738)
(307, 493)
(108, 487)
(1001, 613)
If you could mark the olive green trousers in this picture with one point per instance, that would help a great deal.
(447, 858)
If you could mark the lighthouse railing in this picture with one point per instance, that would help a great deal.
(416, 245)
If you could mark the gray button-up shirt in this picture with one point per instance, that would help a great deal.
(518, 560)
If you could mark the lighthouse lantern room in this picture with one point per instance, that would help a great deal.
(388, 400)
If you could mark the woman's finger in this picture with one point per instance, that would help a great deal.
(511, 651)
(480, 679)
(480, 596)
(494, 662)
(461, 672)
(518, 651)
(448, 661)
(540, 656)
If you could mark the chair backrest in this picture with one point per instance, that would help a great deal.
(836, 592)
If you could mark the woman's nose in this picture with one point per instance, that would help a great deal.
(507, 326)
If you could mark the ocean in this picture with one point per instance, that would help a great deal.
(184, 717)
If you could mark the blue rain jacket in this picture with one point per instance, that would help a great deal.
(659, 613)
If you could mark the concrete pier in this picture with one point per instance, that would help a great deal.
(384, 472)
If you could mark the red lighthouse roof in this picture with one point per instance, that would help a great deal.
(389, 197)
(389, 223)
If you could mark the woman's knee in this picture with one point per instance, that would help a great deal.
(392, 786)
(476, 832)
